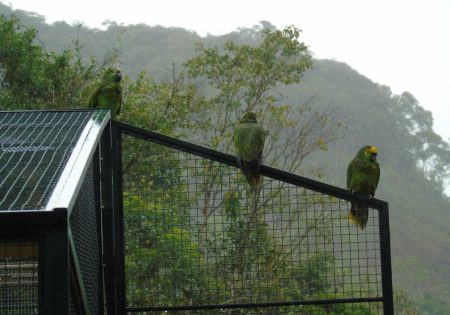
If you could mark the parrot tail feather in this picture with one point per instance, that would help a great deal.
(251, 171)
(358, 215)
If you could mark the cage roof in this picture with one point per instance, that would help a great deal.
(39, 152)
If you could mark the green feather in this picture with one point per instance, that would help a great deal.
(248, 140)
(363, 175)
(109, 93)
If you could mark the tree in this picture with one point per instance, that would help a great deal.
(240, 78)
(165, 106)
(33, 78)
(403, 304)
(162, 247)
(431, 153)
(243, 78)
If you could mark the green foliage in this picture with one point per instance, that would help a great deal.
(411, 178)
(161, 106)
(33, 78)
(247, 77)
(374, 115)
(245, 250)
(244, 75)
(431, 153)
(403, 304)
(161, 239)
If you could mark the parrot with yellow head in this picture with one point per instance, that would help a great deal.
(363, 175)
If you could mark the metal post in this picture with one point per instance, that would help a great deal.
(98, 210)
(107, 210)
(386, 268)
(118, 216)
(55, 261)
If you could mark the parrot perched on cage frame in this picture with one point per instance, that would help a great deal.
(109, 93)
(363, 175)
(248, 140)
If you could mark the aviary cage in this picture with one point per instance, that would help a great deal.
(98, 216)
(50, 218)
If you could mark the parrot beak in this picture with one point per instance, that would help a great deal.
(373, 154)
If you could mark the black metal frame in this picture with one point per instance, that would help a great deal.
(118, 128)
(48, 228)
(58, 268)
(112, 220)
(107, 217)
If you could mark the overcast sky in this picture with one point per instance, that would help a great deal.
(404, 44)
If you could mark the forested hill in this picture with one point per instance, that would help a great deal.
(413, 158)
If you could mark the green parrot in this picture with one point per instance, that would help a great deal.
(248, 140)
(109, 93)
(363, 174)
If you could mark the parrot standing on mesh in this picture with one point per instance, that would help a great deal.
(248, 139)
(109, 93)
(363, 174)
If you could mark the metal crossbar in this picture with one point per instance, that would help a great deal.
(196, 238)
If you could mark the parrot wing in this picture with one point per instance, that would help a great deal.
(248, 139)
(363, 178)
(107, 95)
(93, 99)
(349, 175)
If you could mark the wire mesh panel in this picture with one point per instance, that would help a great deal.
(199, 239)
(46, 167)
(35, 147)
(18, 278)
(85, 230)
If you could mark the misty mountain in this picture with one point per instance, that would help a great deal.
(412, 156)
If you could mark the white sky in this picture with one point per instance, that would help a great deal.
(404, 44)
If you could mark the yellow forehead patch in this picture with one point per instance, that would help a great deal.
(373, 150)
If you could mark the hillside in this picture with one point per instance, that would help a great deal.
(419, 211)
